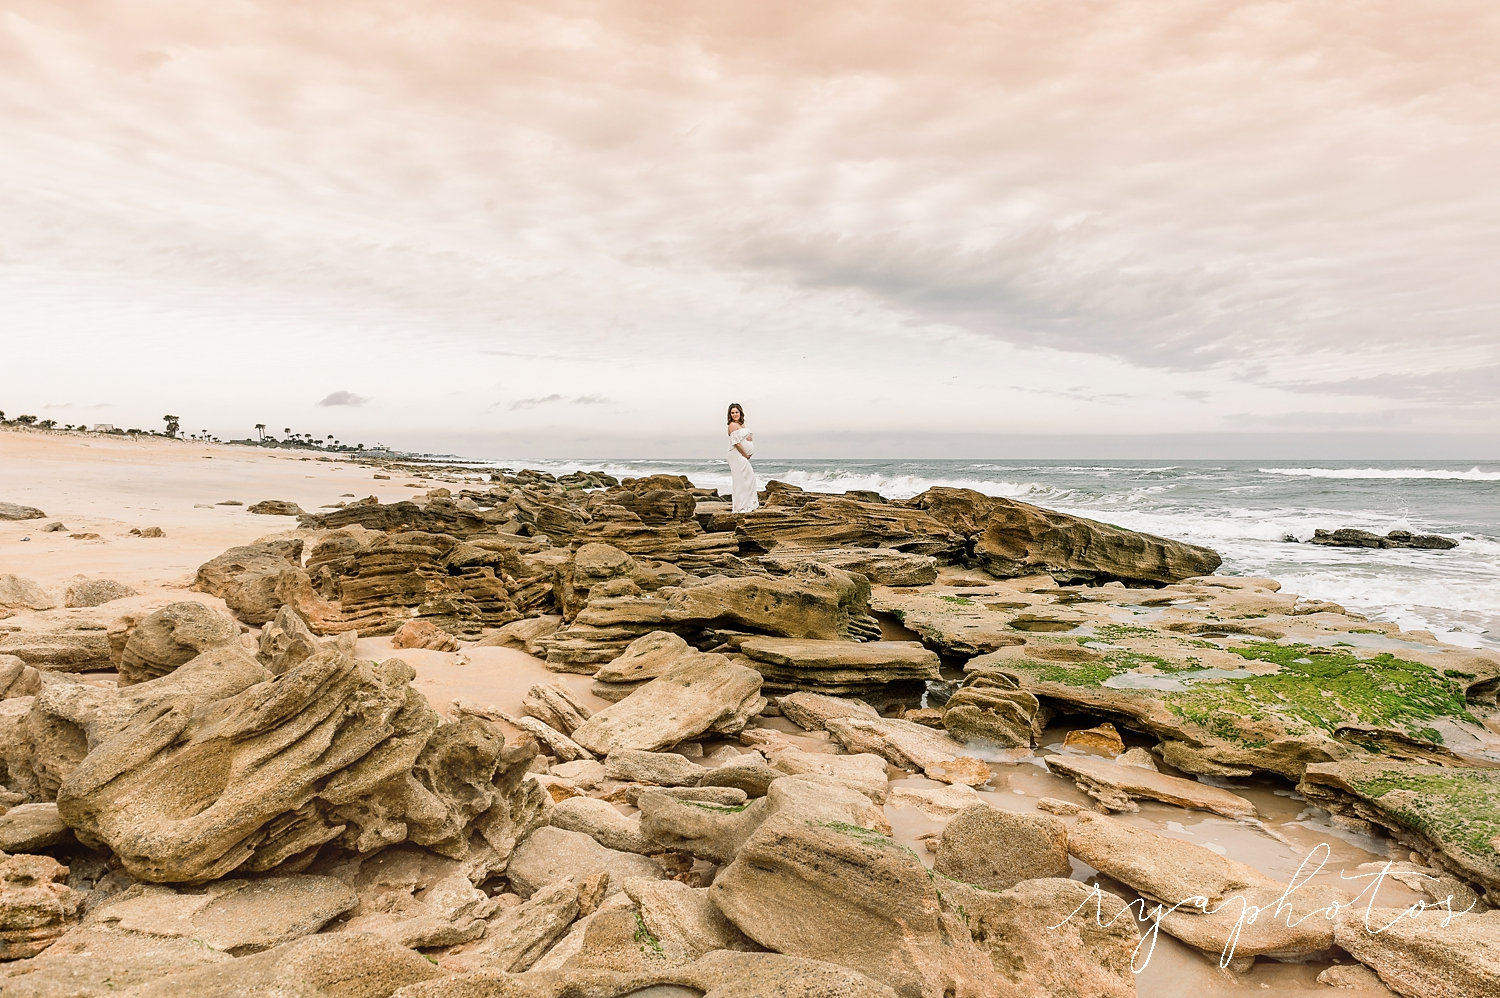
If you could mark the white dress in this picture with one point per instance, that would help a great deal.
(741, 473)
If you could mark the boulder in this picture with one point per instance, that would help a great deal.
(838, 666)
(275, 507)
(256, 580)
(95, 592)
(12, 511)
(602, 822)
(1085, 946)
(549, 855)
(902, 743)
(423, 634)
(17, 679)
(172, 636)
(882, 566)
(864, 772)
(447, 912)
(813, 711)
(996, 849)
(335, 749)
(647, 657)
(855, 897)
(35, 906)
(990, 711)
(673, 911)
(814, 602)
(17, 593)
(1103, 740)
(516, 937)
(703, 693)
(749, 773)
(664, 769)
(792, 518)
(1209, 897)
(556, 706)
(31, 828)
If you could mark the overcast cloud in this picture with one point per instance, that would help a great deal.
(585, 226)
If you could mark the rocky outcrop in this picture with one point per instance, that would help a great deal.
(1020, 539)
(821, 522)
(1447, 812)
(705, 693)
(13, 511)
(1351, 537)
(335, 750)
(996, 850)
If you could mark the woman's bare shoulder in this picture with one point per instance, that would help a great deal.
(736, 427)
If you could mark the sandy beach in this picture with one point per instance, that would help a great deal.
(105, 486)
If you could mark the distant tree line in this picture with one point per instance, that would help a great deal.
(173, 428)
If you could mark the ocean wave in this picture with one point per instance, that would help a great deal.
(1392, 474)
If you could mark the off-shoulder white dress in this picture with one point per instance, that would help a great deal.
(741, 473)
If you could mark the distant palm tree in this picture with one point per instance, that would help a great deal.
(173, 423)
(260, 431)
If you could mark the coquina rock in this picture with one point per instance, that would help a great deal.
(172, 636)
(838, 667)
(882, 566)
(335, 749)
(256, 580)
(854, 897)
(35, 906)
(705, 693)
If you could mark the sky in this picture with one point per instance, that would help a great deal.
(581, 227)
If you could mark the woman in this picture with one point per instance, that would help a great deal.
(741, 447)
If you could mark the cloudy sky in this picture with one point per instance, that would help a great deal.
(581, 227)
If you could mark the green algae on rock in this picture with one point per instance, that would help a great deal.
(1449, 813)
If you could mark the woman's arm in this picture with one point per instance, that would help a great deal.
(746, 454)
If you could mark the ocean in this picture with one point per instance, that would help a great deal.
(1242, 509)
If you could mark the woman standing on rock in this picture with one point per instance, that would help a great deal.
(741, 447)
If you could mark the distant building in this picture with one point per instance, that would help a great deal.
(104, 428)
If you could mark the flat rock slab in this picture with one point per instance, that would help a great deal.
(31, 827)
(232, 916)
(702, 693)
(1117, 787)
(901, 743)
(12, 511)
(897, 659)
